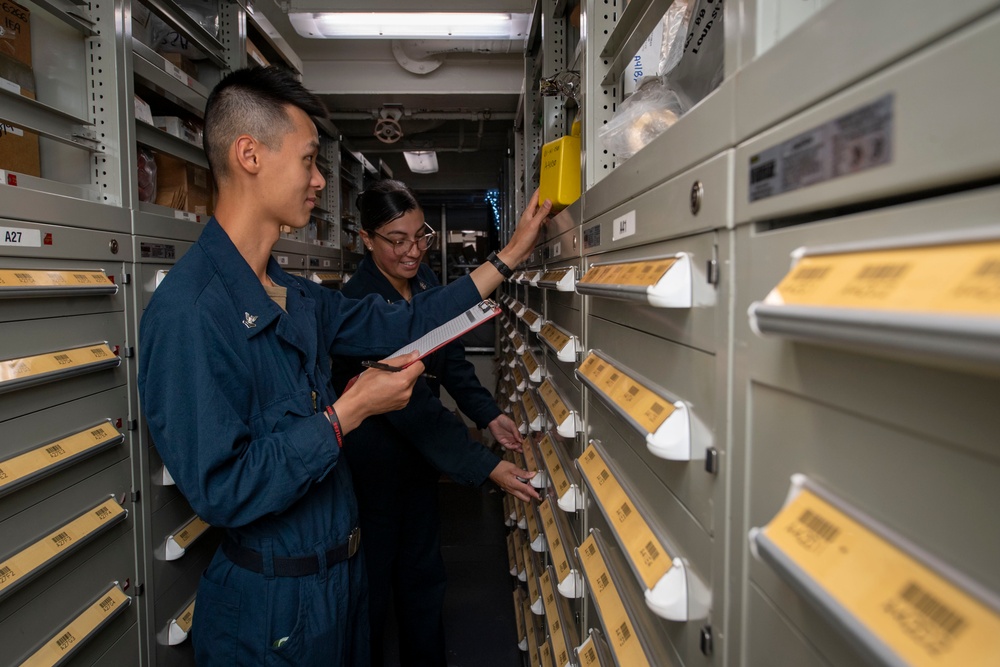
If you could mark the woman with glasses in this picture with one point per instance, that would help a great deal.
(397, 458)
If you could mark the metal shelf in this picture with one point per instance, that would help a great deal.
(168, 80)
(159, 140)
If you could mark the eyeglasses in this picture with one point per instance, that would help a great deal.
(403, 246)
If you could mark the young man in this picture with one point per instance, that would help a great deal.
(234, 379)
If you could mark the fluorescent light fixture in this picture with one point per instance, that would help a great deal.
(410, 25)
(421, 162)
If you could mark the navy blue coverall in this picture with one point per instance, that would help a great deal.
(396, 460)
(233, 389)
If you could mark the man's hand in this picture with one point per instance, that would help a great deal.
(376, 391)
(506, 475)
(505, 432)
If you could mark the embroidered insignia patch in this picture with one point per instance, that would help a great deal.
(249, 321)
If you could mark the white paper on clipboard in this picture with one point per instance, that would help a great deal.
(450, 330)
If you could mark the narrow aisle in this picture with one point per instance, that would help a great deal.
(479, 611)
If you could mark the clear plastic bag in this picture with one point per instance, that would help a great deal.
(675, 25)
(147, 175)
(641, 118)
(165, 39)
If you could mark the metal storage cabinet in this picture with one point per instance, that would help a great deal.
(65, 468)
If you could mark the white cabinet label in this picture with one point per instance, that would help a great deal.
(14, 236)
(623, 226)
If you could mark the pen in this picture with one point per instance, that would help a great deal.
(392, 369)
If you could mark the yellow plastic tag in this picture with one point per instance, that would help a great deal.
(545, 653)
(561, 654)
(529, 362)
(639, 274)
(16, 369)
(37, 554)
(557, 338)
(191, 531)
(22, 278)
(922, 617)
(557, 552)
(66, 641)
(518, 343)
(638, 540)
(622, 639)
(552, 400)
(632, 397)
(560, 481)
(955, 279)
(186, 617)
(53, 453)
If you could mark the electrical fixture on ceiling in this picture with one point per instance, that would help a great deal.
(421, 162)
(410, 25)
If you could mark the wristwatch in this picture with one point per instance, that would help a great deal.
(504, 270)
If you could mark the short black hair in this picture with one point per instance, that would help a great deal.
(252, 101)
(384, 201)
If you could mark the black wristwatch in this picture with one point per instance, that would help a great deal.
(504, 270)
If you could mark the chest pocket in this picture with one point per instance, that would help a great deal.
(274, 416)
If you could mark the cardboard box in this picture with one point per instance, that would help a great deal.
(15, 38)
(179, 128)
(186, 65)
(182, 185)
(254, 56)
(18, 147)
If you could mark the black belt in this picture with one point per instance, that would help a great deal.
(284, 566)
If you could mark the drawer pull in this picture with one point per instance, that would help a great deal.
(52, 366)
(558, 535)
(567, 421)
(21, 283)
(180, 627)
(565, 345)
(662, 282)
(178, 543)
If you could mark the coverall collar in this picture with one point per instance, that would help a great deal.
(381, 284)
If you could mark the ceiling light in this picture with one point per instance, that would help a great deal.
(409, 25)
(421, 162)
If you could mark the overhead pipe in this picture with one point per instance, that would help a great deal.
(423, 56)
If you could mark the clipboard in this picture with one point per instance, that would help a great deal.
(452, 329)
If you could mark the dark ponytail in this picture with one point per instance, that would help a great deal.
(383, 202)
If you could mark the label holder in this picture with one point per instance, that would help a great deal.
(674, 289)
(35, 379)
(571, 424)
(572, 499)
(567, 351)
(180, 625)
(562, 279)
(177, 544)
(571, 586)
(51, 288)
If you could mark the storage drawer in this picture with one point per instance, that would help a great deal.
(43, 614)
(556, 285)
(43, 452)
(162, 489)
(774, 641)
(702, 324)
(70, 377)
(54, 537)
(695, 201)
(884, 137)
(561, 245)
(154, 259)
(169, 521)
(291, 262)
(34, 289)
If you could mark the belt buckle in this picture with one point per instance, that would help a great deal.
(353, 542)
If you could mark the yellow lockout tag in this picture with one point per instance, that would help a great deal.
(638, 540)
(191, 531)
(588, 654)
(617, 625)
(955, 279)
(16, 369)
(560, 480)
(552, 400)
(556, 548)
(926, 620)
(22, 278)
(530, 409)
(635, 399)
(37, 554)
(555, 337)
(529, 362)
(73, 635)
(639, 274)
(48, 455)
(185, 618)
(552, 619)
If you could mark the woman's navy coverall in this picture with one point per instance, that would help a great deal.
(233, 390)
(396, 460)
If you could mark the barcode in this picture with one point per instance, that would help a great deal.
(652, 551)
(471, 316)
(98, 352)
(883, 271)
(812, 273)
(590, 551)
(99, 433)
(762, 172)
(3, 475)
(81, 277)
(624, 511)
(102, 513)
(624, 634)
(613, 377)
(6, 574)
(819, 525)
(633, 391)
(990, 267)
(62, 359)
(942, 615)
(591, 655)
(590, 455)
(61, 539)
(24, 278)
(603, 581)
(656, 408)
(107, 604)
(65, 641)
(555, 625)
(603, 477)
(55, 451)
